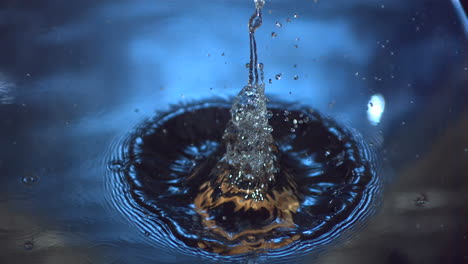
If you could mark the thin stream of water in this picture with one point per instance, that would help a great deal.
(255, 22)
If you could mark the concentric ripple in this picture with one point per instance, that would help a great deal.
(157, 172)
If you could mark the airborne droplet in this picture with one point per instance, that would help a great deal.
(29, 179)
(28, 245)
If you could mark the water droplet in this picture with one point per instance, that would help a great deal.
(382, 6)
(278, 24)
(259, 4)
(288, 20)
(274, 35)
(356, 74)
(296, 46)
(29, 179)
(28, 245)
(293, 130)
(296, 16)
(260, 66)
(222, 54)
(116, 165)
(403, 123)
(296, 77)
(247, 65)
(421, 200)
(278, 76)
(270, 81)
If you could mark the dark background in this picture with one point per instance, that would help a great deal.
(77, 75)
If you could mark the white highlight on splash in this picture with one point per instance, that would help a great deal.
(375, 108)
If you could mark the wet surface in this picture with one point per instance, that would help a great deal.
(76, 77)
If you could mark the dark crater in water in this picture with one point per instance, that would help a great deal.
(161, 178)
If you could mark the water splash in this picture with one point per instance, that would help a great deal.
(249, 143)
(327, 184)
(245, 187)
